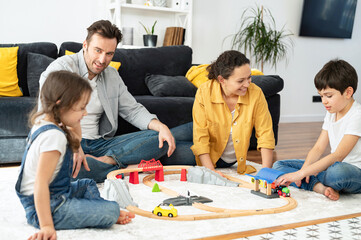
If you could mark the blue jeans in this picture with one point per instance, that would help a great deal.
(340, 176)
(133, 147)
(85, 208)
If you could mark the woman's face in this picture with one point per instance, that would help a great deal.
(238, 83)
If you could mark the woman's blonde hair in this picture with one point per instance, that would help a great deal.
(60, 91)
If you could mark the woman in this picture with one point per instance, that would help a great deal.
(225, 110)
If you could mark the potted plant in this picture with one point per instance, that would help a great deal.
(149, 39)
(261, 40)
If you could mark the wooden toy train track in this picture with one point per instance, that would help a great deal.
(215, 212)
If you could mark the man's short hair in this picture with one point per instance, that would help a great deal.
(104, 28)
(336, 74)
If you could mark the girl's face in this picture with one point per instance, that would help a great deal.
(238, 83)
(72, 116)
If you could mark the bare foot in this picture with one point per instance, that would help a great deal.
(327, 191)
(104, 159)
(331, 194)
(125, 217)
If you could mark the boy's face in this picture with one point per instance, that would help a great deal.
(334, 101)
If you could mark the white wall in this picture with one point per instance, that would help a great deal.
(213, 20)
(23, 21)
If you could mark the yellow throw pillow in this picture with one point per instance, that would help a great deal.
(8, 75)
(198, 74)
(115, 65)
(255, 72)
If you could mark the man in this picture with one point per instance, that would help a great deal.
(100, 151)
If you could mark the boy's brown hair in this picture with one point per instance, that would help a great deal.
(336, 74)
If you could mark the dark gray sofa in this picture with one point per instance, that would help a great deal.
(136, 65)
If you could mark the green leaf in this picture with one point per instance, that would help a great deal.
(260, 39)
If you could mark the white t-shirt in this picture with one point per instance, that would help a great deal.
(350, 124)
(90, 122)
(229, 154)
(47, 141)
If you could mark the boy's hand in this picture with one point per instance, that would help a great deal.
(289, 178)
(45, 233)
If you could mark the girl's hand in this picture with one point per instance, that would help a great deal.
(79, 159)
(45, 233)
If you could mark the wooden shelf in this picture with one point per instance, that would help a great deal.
(127, 14)
(152, 8)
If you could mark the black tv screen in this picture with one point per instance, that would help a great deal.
(328, 18)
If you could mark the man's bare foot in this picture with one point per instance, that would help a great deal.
(104, 159)
(327, 191)
(331, 194)
(125, 217)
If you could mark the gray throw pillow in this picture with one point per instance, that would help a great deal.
(37, 64)
(170, 86)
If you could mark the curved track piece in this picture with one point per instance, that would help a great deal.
(215, 212)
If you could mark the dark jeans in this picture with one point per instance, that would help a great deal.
(133, 147)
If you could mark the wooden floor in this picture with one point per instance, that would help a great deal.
(295, 140)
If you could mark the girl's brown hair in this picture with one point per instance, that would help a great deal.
(60, 91)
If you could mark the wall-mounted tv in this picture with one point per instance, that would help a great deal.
(328, 18)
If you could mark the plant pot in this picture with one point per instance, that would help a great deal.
(150, 40)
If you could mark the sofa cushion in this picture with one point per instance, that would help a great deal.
(45, 48)
(136, 63)
(8, 76)
(270, 84)
(172, 111)
(14, 116)
(163, 86)
(37, 64)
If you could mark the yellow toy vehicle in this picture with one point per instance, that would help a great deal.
(169, 210)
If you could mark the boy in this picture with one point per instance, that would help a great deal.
(339, 171)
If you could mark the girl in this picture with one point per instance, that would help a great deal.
(50, 199)
(225, 110)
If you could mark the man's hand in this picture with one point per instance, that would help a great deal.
(79, 159)
(166, 135)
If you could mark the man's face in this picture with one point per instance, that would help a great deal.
(98, 52)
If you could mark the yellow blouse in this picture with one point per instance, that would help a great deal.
(212, 121)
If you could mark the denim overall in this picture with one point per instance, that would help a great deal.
(70, 202)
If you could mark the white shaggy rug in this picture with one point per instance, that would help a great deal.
(310, 206)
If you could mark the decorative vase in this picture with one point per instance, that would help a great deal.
(127, 35)
(150, 40)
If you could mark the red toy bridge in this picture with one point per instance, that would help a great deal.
(151, 165)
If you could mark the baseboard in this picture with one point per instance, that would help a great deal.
(301, 118)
